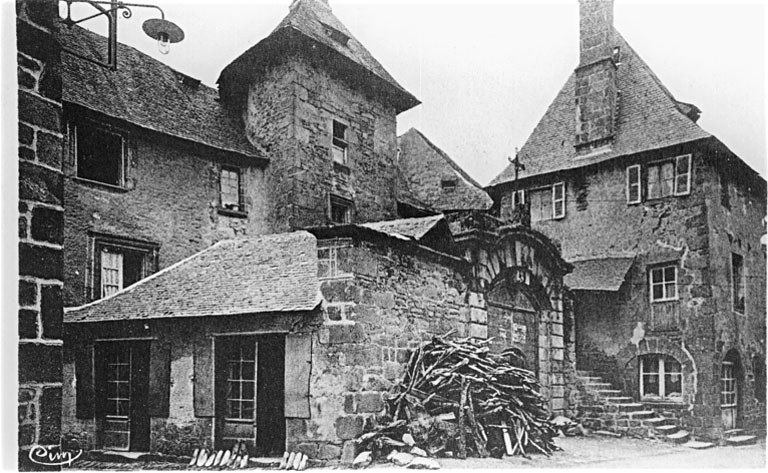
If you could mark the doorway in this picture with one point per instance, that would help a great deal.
(250, 393)
(122, 394)
(730, 390)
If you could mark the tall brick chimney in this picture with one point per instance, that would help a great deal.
(595, 76)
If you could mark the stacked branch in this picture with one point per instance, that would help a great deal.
(458, 396)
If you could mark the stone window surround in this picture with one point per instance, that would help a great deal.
(743, 283)
(663, 369)
(241, 210)
(99, 241)
(339, 202)
(339, 142)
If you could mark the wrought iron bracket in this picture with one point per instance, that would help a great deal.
(111, 12)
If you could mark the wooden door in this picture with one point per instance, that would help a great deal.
(122, 382)
(729, 395)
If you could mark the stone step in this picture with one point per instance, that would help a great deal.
(654, 421)
(681, 436)
(589, 379)
(608, 392)
(630, 407)
(738, 440)
(618, 399)
(667, 429)
(698, 445)
(584, 373)
(597, 386)
(733, 432)
(642, 415)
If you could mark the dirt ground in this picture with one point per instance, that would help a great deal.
(578, 452)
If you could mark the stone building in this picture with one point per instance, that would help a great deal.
(255, 228)
(663, 224)
(40, 228)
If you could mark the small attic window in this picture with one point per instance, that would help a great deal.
(617, 55)
(335, 34)
(448, 184)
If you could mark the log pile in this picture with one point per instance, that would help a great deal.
(459, 399)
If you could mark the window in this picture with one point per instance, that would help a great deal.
(661, 377)
(738, 283)
(547, 203)
(340, 144)
(663, 283)
(518, 198)
(728, 394)
(633, 184)
(341, 210)
(669, 178)
(99, 155)
(328, 253)
(119, 264)
(231, 189)
(241, 380)
(448, 184)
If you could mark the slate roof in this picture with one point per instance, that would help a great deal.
(602, 274)
(407, 228)
(649, 118)
(423, 166)
(272, 273)
(147, 93)
(311, 19)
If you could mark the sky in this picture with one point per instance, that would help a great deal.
(485, 72)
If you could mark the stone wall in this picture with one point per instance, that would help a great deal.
(290, 112)
(40, 228)
(697, 233)
(171, 199)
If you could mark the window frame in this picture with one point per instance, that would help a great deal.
(100, 242)
(676, 175)
(561, 200)
(553, 199)
(687, 174)
(630, 184)
(731, 395)
(518, 197)
(340, 143)
(336, 200)
(75, 130)
(660, 361)
(332, 246)
(663, 283)
(241, 210)
(742, 283)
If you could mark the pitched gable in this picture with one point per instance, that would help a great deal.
(648, 118)
(311, 23)
(426, 168)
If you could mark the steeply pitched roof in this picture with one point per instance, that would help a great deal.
(648, 118)
(314, 20)
(424, 166)
(272, 273)
(407, 228)
(147, 93)
(602, 274)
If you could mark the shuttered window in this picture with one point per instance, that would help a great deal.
(633, 184)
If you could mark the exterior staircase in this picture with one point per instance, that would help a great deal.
(608, 411)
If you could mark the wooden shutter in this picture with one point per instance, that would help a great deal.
(298, 367)
(203, 382)
(159, 378)
(84, 387)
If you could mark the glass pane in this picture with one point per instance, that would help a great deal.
(323, 269)
(681, 184)
(650, 385)
(682, 165)
(340, 155)
(656, 276)
(658, 292)
(669, 291)
(653, 182)
(248, 370)
(234, 409)
(248, 389)
(667, 178)
(669, 273)
(673, 383)
(247, 412)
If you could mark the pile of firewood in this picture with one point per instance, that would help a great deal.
(459, 399)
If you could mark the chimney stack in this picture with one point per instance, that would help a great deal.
(596, 76)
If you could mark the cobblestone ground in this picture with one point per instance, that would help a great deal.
(578, 452)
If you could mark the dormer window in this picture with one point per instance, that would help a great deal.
(340, 143)
(335, 34)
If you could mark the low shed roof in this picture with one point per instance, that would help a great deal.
(272, 273)
(602, 274)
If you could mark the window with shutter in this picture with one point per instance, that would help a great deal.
(666, 178)
(111, 272)
(633, 184)
(298, 368)
(119, 263)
